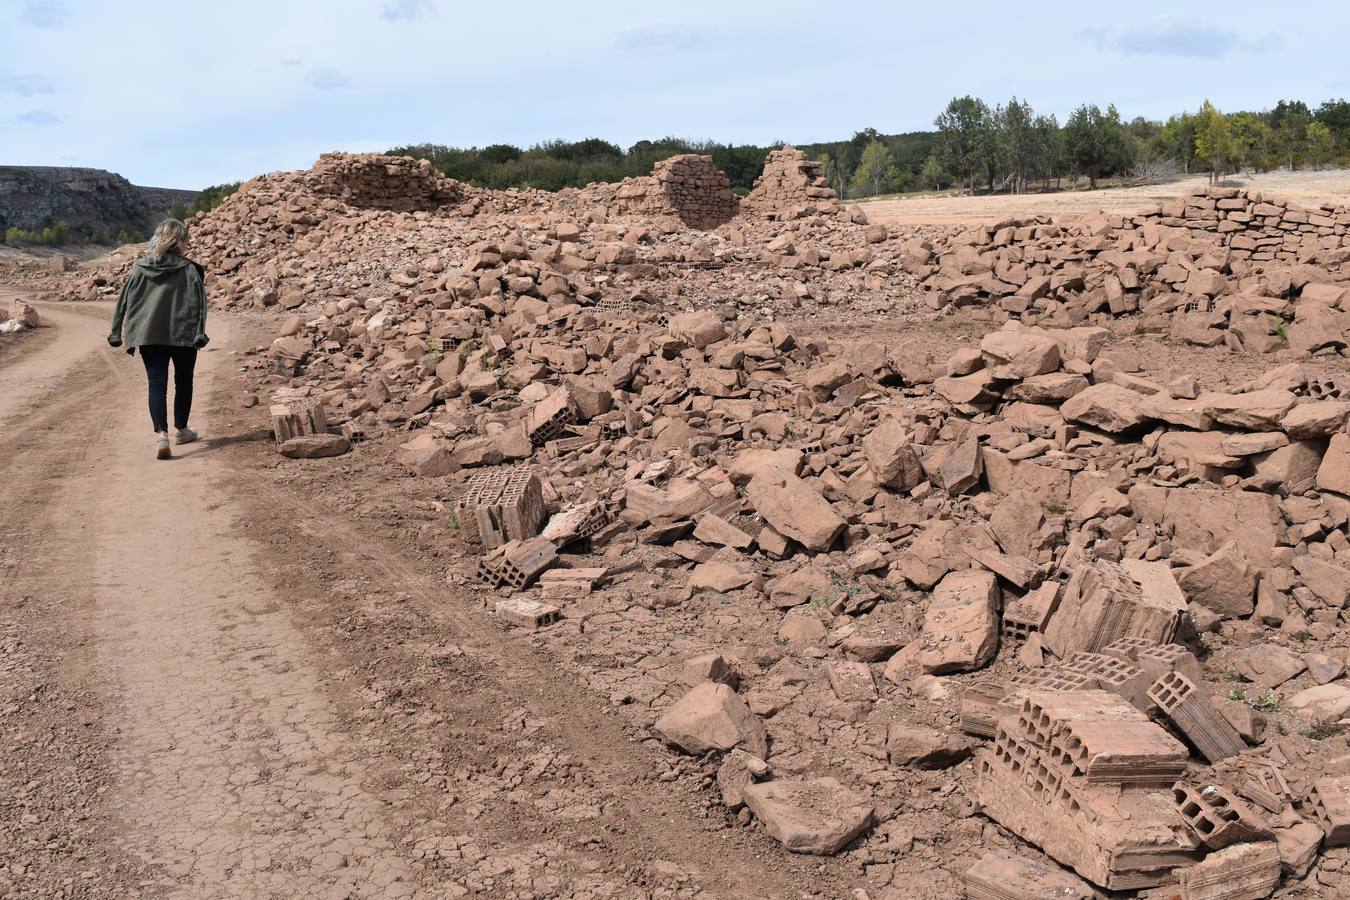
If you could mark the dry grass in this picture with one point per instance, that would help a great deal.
(1331, 186)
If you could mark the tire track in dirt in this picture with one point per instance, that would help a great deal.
(654, 828)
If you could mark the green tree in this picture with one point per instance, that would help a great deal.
(1321, 145)
(932, 176)
(1019, 141)
(963, 138)
(1251, 140)
(1094, 142)
(1049, 159)
(1288, 123)
(875, 168)
(1214, 141)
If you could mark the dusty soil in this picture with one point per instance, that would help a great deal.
(217, 685)
(1304, 187)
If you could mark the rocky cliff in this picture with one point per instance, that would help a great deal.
(90, 202)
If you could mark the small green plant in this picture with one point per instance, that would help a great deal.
(1281, 730)
(1054, 508)
(1322, 732)
(1237, 694)
(454, 519)
(433, 355)
(1280, 331)
(1302, 636)
(1268, 702)
(1230, 674)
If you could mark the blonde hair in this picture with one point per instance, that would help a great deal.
(167, 237)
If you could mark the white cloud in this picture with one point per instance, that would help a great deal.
(25, 85)
(403, 10)
(44, 13)
(38, 117)
(326, 78)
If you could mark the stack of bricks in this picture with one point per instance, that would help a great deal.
(1127, 667)
(501, 505)
(1105, 601)
(296, 415)
(376, 181)
(516, 564)
(688, 187)
(791, 180)
(1085, 776)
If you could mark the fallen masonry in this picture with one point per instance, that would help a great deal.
(999, 579)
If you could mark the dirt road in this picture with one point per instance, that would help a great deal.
(215, 687)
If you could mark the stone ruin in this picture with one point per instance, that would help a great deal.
(376, 181)
(688, 187)
(790, 180)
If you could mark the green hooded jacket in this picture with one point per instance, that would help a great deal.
(163, 303)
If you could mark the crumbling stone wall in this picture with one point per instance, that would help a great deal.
(375, 181)
(790, 180)
(688, 187)
(1252, 226)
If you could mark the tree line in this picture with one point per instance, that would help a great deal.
(554, 165)
(1009, 147)
(975, 146)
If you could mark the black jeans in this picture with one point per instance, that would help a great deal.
(156, 359)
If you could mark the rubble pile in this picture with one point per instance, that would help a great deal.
(375, 181)
(790, 184)
(688, 188)
(22, 316)
(883, 602)
(279, 240)
(1216, 266)
(1032, 497)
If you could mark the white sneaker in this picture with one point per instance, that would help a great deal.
(186, 435)
(162, 450)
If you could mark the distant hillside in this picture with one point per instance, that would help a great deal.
(91, 203)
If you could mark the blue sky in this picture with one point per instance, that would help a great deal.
(197, 93)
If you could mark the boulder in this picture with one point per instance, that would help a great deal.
(427, 455)
(1223, 582)
(1334, 472)
(1109, 407)
(960, 626)
(1315, 418)
(715, 575)
(921, 747)
(1323, 703)
(1051, 389)
(809, 815)
(698, 329)
(891, 456)
(314, 446)
(795, 509)
(712, 717)
(1268, 665)
(1253, 411)
(1013, 355)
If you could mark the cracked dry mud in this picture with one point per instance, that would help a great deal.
(192, 708)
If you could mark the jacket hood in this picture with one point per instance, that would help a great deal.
(165, 267)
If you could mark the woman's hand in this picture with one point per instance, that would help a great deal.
(114, 341)
(201, 341)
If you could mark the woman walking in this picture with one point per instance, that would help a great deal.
(162, 311)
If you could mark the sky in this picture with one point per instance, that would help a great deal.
(202, 92)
